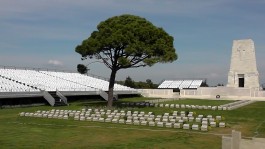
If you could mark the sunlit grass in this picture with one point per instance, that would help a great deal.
(28, 132)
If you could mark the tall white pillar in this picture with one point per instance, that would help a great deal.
(243, 68)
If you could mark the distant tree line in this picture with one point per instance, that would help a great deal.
(204, 84)
(148, 84)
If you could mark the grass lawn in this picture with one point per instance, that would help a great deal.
(28, 132)
(200, 102)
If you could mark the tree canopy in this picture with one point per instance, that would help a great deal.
(127, 41)
(129, 82)
(82, 69)
(138, 85)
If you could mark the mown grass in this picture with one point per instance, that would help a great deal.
(199, 102)
(26, 132)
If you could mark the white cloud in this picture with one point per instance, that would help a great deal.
(55, 62)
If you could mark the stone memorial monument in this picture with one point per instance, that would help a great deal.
(243, 71)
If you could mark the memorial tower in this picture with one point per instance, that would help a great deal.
(243, 68)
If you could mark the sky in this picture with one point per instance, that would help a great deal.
(44, 34)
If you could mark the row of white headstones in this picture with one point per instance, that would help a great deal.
(177, 119)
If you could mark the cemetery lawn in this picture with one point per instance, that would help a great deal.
(200, 102)
(29, 132)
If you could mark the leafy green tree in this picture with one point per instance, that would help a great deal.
(219, 84)
(204, 84)
(129, 82)
(120, 82)
(82, 69)
(127, 41)
(141, 85)
(150, 84)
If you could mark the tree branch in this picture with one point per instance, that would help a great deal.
(104, 61)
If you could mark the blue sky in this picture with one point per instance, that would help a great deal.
(44, 34)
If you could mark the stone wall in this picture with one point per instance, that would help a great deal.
(222, 93)
(159, 93)
(206, 93)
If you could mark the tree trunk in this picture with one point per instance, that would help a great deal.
(111, 87)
